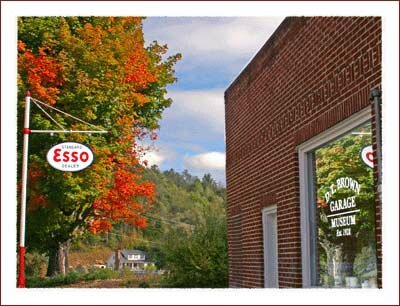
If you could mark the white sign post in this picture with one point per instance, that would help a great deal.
(26, 131)
(67, 156)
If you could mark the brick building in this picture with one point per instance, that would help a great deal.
(301, 141)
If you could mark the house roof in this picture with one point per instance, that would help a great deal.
(131, 252)
(124, 254)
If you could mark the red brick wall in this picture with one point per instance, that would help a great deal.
(311, 74)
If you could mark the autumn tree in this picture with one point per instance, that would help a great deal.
(97, 69)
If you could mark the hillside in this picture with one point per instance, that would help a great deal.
(186, 210)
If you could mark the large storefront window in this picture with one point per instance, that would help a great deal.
(344, 243)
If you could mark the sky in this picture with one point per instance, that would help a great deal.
(214, 51)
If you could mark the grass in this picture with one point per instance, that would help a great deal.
(145, 281)
(97, 278)
(70, 278)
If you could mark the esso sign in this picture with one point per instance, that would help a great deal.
(70, 156)
(367, 156)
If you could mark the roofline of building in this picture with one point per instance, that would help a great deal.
(132, 251)
(268, 44)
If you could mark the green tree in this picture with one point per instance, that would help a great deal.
(197, 258)
(98, 69)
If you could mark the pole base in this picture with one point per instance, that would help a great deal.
(21, 275)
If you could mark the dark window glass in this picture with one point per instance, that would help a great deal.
(345, 212)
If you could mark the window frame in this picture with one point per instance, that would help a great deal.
(271, 209)
(306, 173)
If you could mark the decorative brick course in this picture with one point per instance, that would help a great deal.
(311, 74)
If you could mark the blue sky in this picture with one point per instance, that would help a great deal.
(214, 51)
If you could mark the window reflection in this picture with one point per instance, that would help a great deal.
(345, 211)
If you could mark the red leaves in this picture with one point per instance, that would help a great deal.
(42, 74)
(137, 72)
(37, 200)
(99, 226)
(36, 197)
(21, 46)
(122, 201)
(34, 173)
(141, 222)
(153, 135)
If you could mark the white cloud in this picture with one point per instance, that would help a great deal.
(153, 158)
(206, 161)
(156, 156)
(231, 36)
(209, 162)
(202, 107)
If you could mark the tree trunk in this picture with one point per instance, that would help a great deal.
(53, 267)
(334, 260)
(58, 260)
(61, 259)
(338, 262)
(65, 250)
(66, 255)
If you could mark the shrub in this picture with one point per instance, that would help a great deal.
(129, 284)
(144, 284)
(125, 272)
(69, 278)
(150, 268)
(97, 273)
(80, 269)
(35, 264)
(55, 281)
(198, 258)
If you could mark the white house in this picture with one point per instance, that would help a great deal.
(134, 259)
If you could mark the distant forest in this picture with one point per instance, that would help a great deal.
(186, 231)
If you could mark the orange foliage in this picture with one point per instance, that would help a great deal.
(119, 203)
(137, 71)
(43, 74)
(126, 198)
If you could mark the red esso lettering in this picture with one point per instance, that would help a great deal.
(67, 156)
(74, 156)
(84, 156)
(56, 155)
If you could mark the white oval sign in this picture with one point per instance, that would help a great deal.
(70, 156)
(367, 156)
